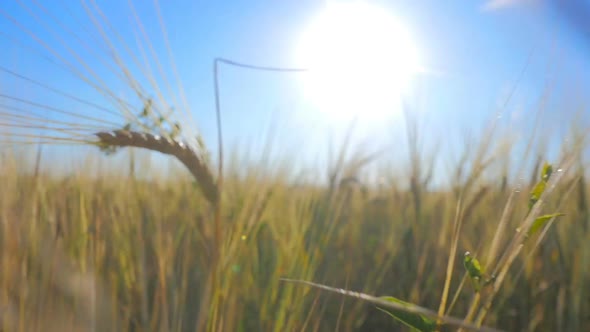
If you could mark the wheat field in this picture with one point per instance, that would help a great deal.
(231, 245)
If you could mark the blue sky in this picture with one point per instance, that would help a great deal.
(476, 56)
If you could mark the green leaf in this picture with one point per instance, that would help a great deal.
(541, 221)
(546, 173)
(415, 321)
(474, 270)
(540, 186)
(536, 193)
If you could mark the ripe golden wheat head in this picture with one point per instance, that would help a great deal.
(186, 154)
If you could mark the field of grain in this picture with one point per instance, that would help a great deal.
(124, 249)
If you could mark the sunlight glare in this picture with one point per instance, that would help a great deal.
(361, 61)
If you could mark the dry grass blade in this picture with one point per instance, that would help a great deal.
(183, 152)
(393, 305)
(498, 235)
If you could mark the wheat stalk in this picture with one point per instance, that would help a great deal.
(184, 152)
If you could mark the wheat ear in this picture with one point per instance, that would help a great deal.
(182, 151)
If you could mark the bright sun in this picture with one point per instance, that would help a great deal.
(361, 61)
